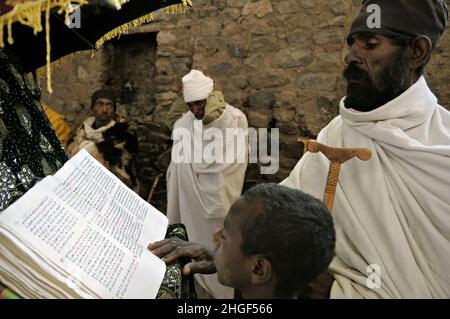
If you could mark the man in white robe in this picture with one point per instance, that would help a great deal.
(202, 182)
(392, 213)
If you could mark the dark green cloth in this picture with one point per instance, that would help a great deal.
(29, 147)
(175, 285)
(215, 105)
(405, 18)
(176, 111)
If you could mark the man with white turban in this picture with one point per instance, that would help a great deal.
(202, 185)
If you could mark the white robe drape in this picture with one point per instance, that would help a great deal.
(86, 137)
(199, 195)
(394, 210)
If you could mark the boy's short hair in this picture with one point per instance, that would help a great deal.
(294, 232)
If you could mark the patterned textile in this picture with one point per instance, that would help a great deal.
(29, 147)
(175, 285)
(30, 150)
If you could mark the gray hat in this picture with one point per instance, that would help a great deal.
(405, 18)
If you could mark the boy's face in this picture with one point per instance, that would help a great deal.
(233, 268)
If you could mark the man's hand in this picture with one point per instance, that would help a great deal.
(173, 248)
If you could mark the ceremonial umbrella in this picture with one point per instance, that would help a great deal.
(38, 34)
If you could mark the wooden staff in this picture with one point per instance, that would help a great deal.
(155, 183)
(337, 156)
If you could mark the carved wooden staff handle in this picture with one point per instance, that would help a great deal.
(337, 156)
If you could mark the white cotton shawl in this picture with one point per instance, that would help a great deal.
(394, 210)
(87, 137)
(92, 134)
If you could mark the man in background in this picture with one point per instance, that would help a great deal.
(200, 193)
(109, 142)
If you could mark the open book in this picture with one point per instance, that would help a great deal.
(81, 233)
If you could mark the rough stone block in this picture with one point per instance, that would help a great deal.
(259, 8)
(283, 115)
(264, 44)
(261, 99)
(317, 81)
(259, 118)
(269, 78)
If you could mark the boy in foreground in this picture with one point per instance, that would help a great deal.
(274, 241)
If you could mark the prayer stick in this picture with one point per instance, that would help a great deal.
(337, 156)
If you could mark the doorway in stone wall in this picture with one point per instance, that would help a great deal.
(129, 68)
(129, 71)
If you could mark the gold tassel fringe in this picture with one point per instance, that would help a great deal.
(123, 29)
(29, 13)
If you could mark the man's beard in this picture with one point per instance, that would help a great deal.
(102, 120)
(364, 96)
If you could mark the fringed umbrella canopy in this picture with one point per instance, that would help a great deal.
(38, 32)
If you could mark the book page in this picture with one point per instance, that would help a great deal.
(25, 277)
(92, 229)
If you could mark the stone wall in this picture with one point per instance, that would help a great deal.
(278, 61)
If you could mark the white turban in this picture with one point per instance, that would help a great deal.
(196, 86)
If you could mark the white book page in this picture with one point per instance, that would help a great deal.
(93, 229)
(41, 274)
